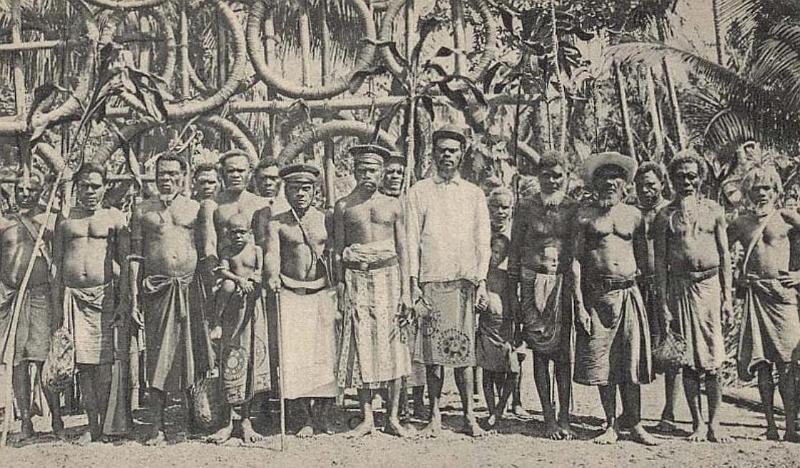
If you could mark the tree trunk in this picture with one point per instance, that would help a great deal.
(459, 35)
(562, 101)
(673, 95)
(717, 30)
(655, 120)
(623, 106)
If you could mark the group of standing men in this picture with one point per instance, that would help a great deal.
(388, 287)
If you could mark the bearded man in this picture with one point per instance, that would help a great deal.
(651, 181)
(693, 273)
(612, 348)
(770, 332)
(540, 256)
(448, 270)
(162, 268)
(370, 246)
(296, 272)
(36, 322)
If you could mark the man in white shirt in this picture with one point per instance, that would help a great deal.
(449, 250)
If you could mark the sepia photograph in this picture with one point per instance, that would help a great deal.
(399, 233)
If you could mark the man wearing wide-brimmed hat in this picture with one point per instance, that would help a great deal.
(370, 247)
(693, 274)
(296, 269)
(612, 348)
(449, 250)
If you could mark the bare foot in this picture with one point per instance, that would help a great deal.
(610, 436)
(771, 434)
(432, 429)
(791, 436)
(222, 435)
(493, 420)
(305, 432)
(700, 434)
(323, 426)
(666, 426)
(26, 429)
(638, 434)
(471, 427)
(715, 435)
(518, 410)
(364, 429)
(566, 431)
(157, 440)
(552, 431)
(393, 427)
(249, 435)
(85, 439)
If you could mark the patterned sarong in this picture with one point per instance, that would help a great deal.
(308, 341)
(770, 330)
(696, 306)
(245, 355)
(447, 334)
(546, 317)
(168, 321)
(618, 350)
(92, 310)
(372, 352)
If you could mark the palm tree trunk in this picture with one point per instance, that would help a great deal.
(717, 30)
(673, 95)
(459, 35)
(655, 120)
(184, 51)
(330, 167)
(623, 106)
(562, 102)
(305, 48)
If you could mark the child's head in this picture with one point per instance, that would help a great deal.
(238, 230)
(499, 249)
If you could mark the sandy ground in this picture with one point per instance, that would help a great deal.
(517, 442)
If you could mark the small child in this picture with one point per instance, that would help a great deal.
(495, 352)
(239, 314)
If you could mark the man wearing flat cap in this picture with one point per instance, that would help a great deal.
(370, 247)
(296, 270)
(693, 277)
(449, 237)
(612, 348)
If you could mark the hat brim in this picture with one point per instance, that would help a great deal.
(450, 134)
(595, 162)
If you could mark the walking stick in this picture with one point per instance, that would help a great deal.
(280, 369)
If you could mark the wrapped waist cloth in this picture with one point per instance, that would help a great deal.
(546, 315)
(696, 306)
(92, 311)
(446, 334)
(618, 349)
(34, 326)
(372, 351)
(770, 331)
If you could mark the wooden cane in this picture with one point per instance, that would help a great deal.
(280, 368)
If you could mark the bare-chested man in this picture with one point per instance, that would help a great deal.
(393, 175)
(612, 348)
(370, 244)
(770, 332)
(539, 258)
(693, 273)
(651, 180)
(90, 249)
(267, 183)
(449, 250)
(163, 243)
(296, 272)
(36, 321)
(205, 182)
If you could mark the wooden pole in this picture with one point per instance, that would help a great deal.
(184, 52)
(328, 162)
(623, 106)
(562, 100)
(717, 31)
(305, 48)
(655, 119)
(459, 35)
(269, 56)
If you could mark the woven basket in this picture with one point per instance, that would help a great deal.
(208, 407)
(670, 353)
(59, 366)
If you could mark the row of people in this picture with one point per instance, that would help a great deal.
(387, 288)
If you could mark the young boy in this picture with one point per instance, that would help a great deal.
(494, 352)
(244, 362)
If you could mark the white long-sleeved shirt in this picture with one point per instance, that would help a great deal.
(448, 228)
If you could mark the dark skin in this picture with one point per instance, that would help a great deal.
(362, 217)
(16, 249)
(287, 253)
(609, 234)
(701, 245)
(768, 260)
(90, 249)
(540, 239)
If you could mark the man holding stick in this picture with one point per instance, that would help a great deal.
(296, 271)
(36, 322)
